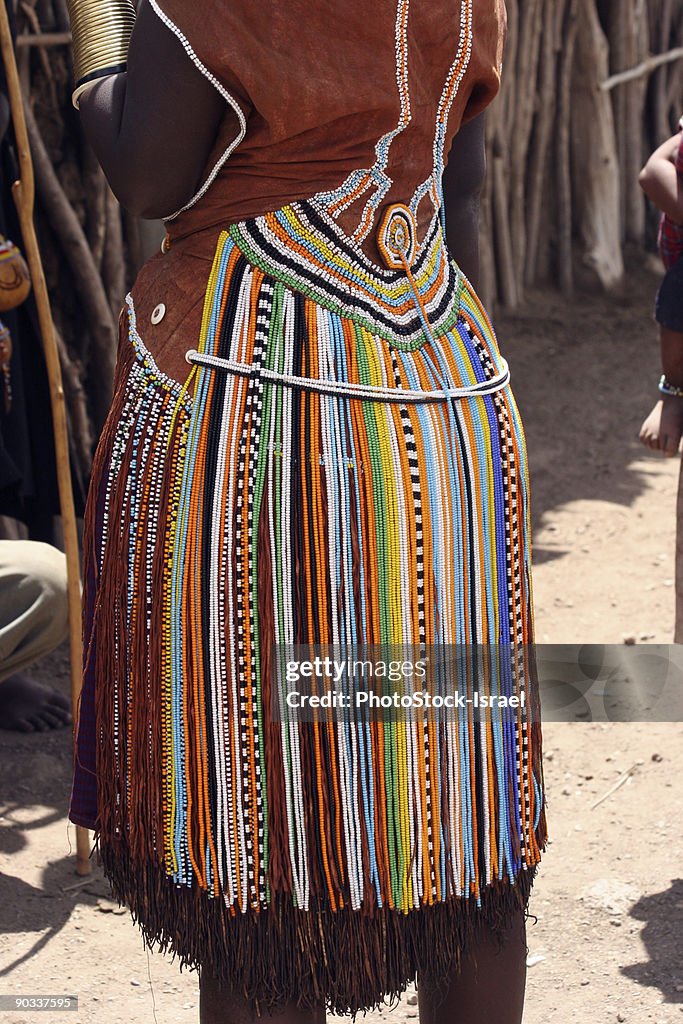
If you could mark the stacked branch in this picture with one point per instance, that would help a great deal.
(89, 245)
(590, 88)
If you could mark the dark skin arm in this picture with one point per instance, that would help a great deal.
(661, 182)
(462, 182)
(152, 127)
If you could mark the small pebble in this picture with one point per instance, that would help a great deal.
(412, 1000)
(134, 982)
(621, 1018)
(629, 640)
(657, 757)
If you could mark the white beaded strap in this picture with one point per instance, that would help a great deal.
(228, 97)
(346, 389)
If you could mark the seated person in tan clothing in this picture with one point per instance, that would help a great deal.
(33, 621)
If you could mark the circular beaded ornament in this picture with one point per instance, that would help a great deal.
(397, 237)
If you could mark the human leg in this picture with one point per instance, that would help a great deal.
(33, 605)
(678, 628)
(488, 987)
(669, 315)
(219, 1006)
(33, 621)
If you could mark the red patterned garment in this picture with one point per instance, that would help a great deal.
(671, 233)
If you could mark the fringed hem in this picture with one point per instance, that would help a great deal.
(348, 961)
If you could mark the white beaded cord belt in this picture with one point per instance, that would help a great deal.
(372, 392)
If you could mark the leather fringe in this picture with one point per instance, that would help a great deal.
(349, 961)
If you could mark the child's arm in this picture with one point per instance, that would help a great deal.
(663, 428)
(660, 181)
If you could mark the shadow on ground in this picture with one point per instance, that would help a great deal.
(596, 366)
(45, 909)
(663, 916)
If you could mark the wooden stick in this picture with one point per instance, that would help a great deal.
(624, 777)
(43, 39)
(537, 159)
(644, 68)
(77, 885)
(564, 184)
(23, 193)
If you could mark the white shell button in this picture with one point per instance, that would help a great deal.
(158, 313)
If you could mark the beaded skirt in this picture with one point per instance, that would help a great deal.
(344, 463)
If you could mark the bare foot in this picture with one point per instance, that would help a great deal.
(27, 706)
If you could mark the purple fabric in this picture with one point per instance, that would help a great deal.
(83, 803)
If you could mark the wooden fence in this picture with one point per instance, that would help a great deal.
(590, 88)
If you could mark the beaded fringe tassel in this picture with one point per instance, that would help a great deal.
(308, 862)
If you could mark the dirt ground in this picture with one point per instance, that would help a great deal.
(606, 945)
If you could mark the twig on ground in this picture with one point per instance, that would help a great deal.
(620, 782)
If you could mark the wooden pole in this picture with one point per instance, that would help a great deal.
(23, 192)
(43, 39)
(646, 67)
